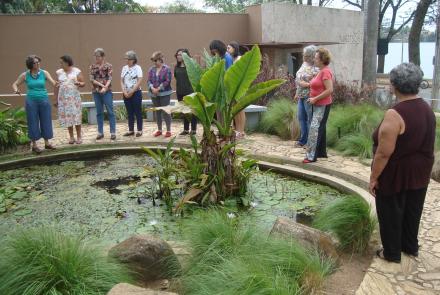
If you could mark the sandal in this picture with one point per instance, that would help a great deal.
(130, 133)
(36, 150)
(379, 254)
(79, 141)
(307, 161)
(139, 133)
(49, 147)
(72, 141)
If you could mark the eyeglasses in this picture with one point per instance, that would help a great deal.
(36, 62)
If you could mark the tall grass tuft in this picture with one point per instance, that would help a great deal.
(45, 261)
(356, 124)
(350, 219)
(230, 257)
(280, 119)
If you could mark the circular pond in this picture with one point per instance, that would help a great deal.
(111, 198)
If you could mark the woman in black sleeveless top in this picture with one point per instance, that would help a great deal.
(403, 158)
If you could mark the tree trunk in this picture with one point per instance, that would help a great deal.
(416, 29)
(381, 63)
(369, 62)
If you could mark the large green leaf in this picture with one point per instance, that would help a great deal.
(241, 74)
(194, 71)
(254, 93)
(211, 81)
(202, 109)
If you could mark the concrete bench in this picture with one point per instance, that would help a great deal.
(253, 112)
(91, 114)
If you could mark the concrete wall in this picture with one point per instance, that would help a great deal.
(288, 23)
(51, 36)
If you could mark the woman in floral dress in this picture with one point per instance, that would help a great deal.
(69, 98)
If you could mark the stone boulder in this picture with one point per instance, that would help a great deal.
(148, 257)
(305, 236)
(127, 289)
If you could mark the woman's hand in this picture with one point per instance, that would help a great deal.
(17, 92)
(103, 90)
(374, 184)
(312, 100)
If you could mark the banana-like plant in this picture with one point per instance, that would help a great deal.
(219, 96)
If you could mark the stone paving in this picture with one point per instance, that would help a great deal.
(412, 276)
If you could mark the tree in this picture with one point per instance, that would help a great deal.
(179, 6)
(235, 6)
(416, 30)
(369, 61)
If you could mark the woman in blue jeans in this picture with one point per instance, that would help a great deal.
(131, 79)
(38, 108)
(101, 79)
(303, 78)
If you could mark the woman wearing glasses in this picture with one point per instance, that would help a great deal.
(38, 109)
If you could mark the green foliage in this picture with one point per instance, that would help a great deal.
(231, 257)
(244, 173)
(179, 6)
(166, 171)
(281, 119)
(356, 124)
(45, 261)
(13, 128)
(350, 219)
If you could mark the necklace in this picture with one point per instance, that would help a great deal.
(35, 76)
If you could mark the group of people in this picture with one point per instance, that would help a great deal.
(314, 81)
(403, 147)
(69, 79)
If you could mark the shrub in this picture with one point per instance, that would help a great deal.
(230, 257)
(13, 128)
(356, 124)
(280, 119)
(350, 219)
(267, 73)
(345, 93)
(45, 261)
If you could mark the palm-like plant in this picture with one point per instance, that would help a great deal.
(225, 94)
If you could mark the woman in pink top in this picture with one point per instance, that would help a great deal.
(321, 89)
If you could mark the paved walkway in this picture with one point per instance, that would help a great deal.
(416, 276)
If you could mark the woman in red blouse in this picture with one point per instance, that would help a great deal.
(321, 89)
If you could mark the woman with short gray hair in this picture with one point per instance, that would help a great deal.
(403, 159)
(303, 78)
(131, 79)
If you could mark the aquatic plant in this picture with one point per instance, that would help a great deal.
(224, 94)
(350, 220)
(229, 256)
(45, 261)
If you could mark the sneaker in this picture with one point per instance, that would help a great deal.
(184, 132)
(139, 133)
(307, 161)
(168, 134)
(157, 133)
(99, 136)
(130, 133)
(193, 132)
(113, 137)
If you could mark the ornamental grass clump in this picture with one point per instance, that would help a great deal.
(230, 257)
(46, 261)
(350, 220)
(280, 119)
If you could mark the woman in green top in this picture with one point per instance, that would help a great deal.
(38, 108)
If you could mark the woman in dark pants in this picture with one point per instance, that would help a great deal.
(403, 158)
(131, 79)
(183, 87)
(159, 84)
(321, 89)
(38, 109)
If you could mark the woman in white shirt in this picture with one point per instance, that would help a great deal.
(131, 79)
(69, 98)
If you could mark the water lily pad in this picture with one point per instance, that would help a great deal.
(18, 195)
(23, 212)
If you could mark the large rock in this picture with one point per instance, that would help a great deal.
(127, 289)
(148, 257)
(306, 236)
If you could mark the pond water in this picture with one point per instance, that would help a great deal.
(110, 199)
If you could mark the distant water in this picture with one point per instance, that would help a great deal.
(394, 57)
